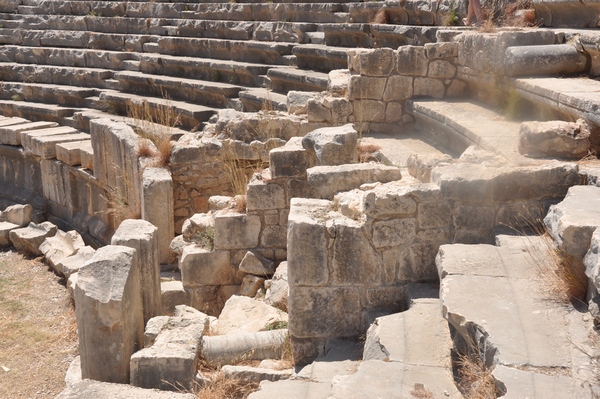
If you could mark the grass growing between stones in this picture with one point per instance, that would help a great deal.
(154, 125)
(219, 386)
(475, 379)
(38, 332)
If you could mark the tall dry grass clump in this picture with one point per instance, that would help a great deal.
(221, 387)
(475, 379)
(154, 124)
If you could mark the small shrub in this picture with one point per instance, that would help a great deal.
(16, 97)
(366, 151)
(276, 325)
(451, 19)
(205, 238)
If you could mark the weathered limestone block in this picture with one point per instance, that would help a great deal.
(274, 236)
(5, 229)
(200, 228)
(307, 237)
(441, 69)
(142, 236)
(429, 87)
(261, 195)
(332, 146)
(172, 294)
(157, 207)
(231, 348)
(368, 111)
(297, 101)
(398, 88)
(591, 262)
(554, 59)
(89, 389)
(310, 306)
(317, 112)
(412, 60)
(110, 317)
(255, 263)
(330, 180)
(434, 215)
(372, 62)
(560, 139)
(170, 363)
(291, 160)
(441, 50)
(341, 109)
(394, 232)
(421, 165)
(339, 79)
(236, 231)
(255, 374)
(18, 214)
(250, 285)
(153, 328)
(366, 88)
(115, 161)
(200, 267)
(573, 221)
(243, 314)
(278, 288)
(61, 246)
(28, 239)
(354, 259)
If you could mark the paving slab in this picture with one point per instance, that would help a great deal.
(89, 389)
(493, 296)
(471, 124)
(70, 152)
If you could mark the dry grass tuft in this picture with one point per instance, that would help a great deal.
(145, 150)
(488, 26)
(419, 391)
(221, 387)
(475, 380)
(155, 124)
(239, 203)
(38, 331)
(563, 275)
(366, 151)
(382, 17)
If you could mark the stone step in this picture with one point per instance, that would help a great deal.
(578, 97)
(70, 152)
(494, 297)
(191, 115)
(106, 390)
(307, 11)
(203, 92)
(252, 51)
(11, 135)
(84, 58)
(320, 57)
(70, 96)
(51, 74)
(458, 125)
(233, 72)
(28, 136)
(286, 79)
(402, 350)
(45, 146)
(257, 99)
(35, 111)
(395, 36)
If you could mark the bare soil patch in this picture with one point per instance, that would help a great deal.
(38, 331)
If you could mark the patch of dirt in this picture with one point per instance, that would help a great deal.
(38, 331)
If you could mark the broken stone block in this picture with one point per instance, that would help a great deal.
(421, 165)
(298, 100)
(572, 222)
(104, 390)
(5, 229)
(172, 294)
(255, 374)
(109, 310)
(236, 231)
(372, 62)
(278, 288)
(254, 263)
(157, 207)
(332, 146)
(142, 236)
(153, 328)
(261, 195)
(170, 363)
(71, 264)
(250, 285)
(338, 81)
(73, 374)
(61, 246)
(200, 267)
(243, 314)
(28, 239)
(329, 180)
(567, 140)
(18, 214)
(291, 160)
(226, 349)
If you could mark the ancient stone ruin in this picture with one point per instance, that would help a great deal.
(351, 199)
